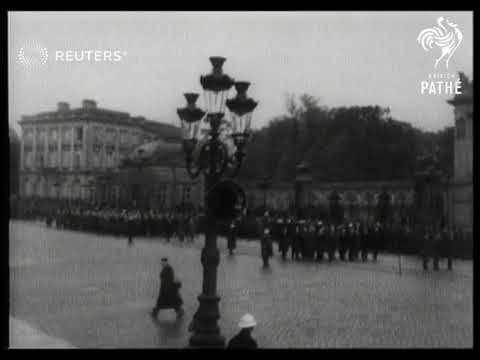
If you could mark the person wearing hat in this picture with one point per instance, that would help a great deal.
(244, 340)
(169, 295)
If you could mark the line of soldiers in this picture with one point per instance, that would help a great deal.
(317, 240)
(126, 222)
(437, 244)
(313, 239)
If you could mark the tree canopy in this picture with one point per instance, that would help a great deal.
(356, 143)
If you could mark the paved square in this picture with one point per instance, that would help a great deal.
(90, 291)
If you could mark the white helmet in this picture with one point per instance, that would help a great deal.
(247, 321)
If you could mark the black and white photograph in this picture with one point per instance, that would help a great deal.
(240, 179)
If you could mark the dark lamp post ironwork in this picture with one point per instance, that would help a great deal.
(214, 146)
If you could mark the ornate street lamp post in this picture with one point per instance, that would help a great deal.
(215, 147)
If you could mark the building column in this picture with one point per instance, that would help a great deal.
(22, 150)
(72, 150)
(45, 145)
(104, 149)
(34, 147)
(59, 146)
(117, 145)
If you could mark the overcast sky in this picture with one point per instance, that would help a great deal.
(343, 58)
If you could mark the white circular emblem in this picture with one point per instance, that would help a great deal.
(33, 54)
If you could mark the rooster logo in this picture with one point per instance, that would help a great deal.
(447, 38)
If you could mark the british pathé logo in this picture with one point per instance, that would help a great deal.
(444, 41)
(446, 38)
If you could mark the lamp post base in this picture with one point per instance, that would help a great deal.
(206, 330)
(207, 341)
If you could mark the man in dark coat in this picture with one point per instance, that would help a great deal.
(377, 240)
(321, 241)
(244, 340)
(169, 294)
(364, 241)
(447, 248)
(131, 226)
(232, 237)
(332, 242)
(351, 242)
(436, 250)
(267, 247)
(283, 244)
(427, 247)
(342, 242)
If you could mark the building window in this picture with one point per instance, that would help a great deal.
(76, 161)
(79, 134)
(461, 128)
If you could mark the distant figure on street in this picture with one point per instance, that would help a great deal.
(427, 247)
(232, 237)
(131, 222)
(169, 294)
(244, 340)
(267, 247)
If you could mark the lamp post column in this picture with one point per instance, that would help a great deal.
(207, 331)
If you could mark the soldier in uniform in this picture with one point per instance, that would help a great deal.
(447, 246)
(131, 222)
(356, 241)
(169, 230)
(351, 242)
(437, 243)
(291, 230)
(342, 239)
(232, 237)
(283, 240)
(364, 241)
(332, 242)
(377, 240)
(427, 247)
(320, 241)
(296, 240)
(266, 247)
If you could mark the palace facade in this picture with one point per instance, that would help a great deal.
(75, 153)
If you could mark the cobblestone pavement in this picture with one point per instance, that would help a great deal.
(95, 291)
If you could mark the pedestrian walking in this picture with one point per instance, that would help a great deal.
(244, 339)
(169, 294)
